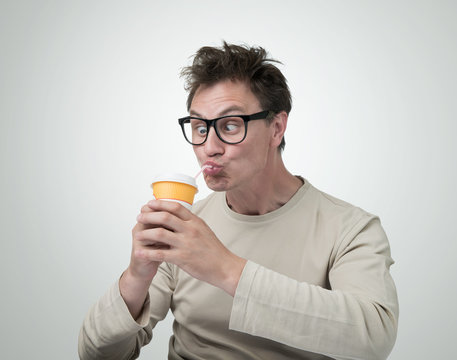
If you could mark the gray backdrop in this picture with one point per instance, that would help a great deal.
(89, 97)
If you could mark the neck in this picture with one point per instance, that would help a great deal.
(266, 192)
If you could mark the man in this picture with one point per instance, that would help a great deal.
(267, 266)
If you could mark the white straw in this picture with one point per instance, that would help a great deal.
(200, 171)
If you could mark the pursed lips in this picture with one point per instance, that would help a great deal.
(211, 168)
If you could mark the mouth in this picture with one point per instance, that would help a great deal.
(211, 168)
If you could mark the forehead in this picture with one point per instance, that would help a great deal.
(224, 97)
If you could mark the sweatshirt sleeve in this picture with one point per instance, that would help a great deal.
(355, 319)
(110, 332)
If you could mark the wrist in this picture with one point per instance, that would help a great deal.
(233, 275)
(137, 277)
(134, 291)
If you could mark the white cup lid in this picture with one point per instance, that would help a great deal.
(176, 177)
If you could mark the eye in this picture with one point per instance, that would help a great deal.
(201, 130)
(230, 125)
(198, 128)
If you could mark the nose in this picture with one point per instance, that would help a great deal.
(213, 145)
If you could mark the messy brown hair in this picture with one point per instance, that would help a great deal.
(240, 62)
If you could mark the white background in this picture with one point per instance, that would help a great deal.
(89, 97)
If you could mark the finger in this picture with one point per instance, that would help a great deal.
(160, 219)
(146, 208)
(156, 236)
(139, 225)
(171, 207)
(156, 254)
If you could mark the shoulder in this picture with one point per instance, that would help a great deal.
(332, 205)
(330, 211)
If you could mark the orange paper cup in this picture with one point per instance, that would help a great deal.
(175, 187)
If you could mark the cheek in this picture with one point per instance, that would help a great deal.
(198, 153)
(253, 157)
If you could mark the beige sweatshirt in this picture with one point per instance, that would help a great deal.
(316, 286)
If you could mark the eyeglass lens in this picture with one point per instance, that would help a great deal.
(229, 129)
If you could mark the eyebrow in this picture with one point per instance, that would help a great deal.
(232, 110)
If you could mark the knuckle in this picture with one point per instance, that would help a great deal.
(137, 253)
(136, 229)
(143, 218)
(159, 255)
(165, 217)
(160, 232)
(138, 236)
(193, 231)
(175, 206)
(172, 206)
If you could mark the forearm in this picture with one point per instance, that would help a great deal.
(134, 291)
(109, 331)
(308, 317)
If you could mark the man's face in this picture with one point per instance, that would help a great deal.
(232, 166)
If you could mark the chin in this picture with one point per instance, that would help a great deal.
(216, 184)
(216, 187)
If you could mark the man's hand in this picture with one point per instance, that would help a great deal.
(135, 281)
(169, 232)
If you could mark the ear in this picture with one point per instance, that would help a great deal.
(278, 127)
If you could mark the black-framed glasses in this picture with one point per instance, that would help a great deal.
(231, 129)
